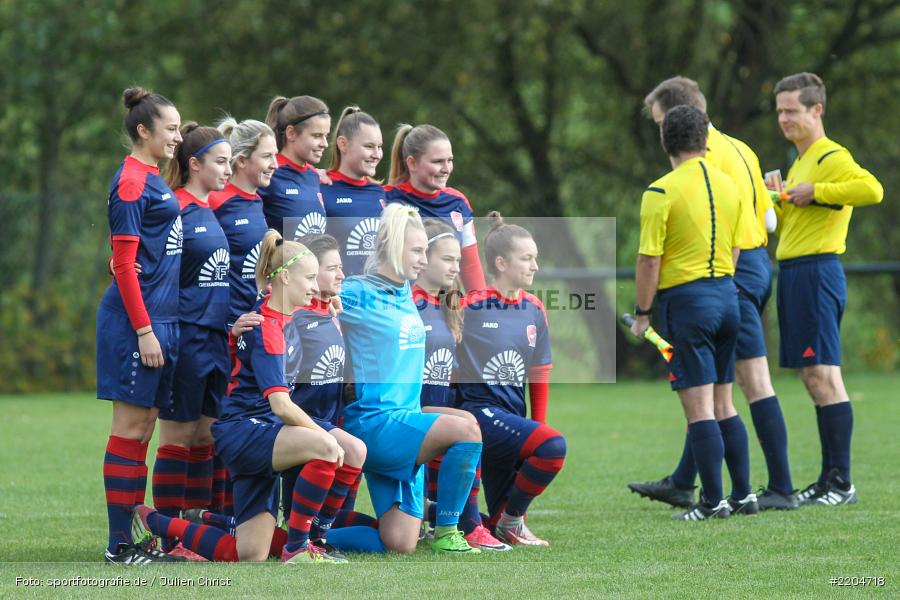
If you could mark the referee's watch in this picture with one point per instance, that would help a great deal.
(640, 312)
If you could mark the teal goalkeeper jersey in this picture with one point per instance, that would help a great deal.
(385, 341)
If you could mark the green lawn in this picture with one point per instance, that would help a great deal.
(606, 542)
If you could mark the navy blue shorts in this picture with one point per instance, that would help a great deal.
(120, 373)
(812, 294)
(753, 279)
(201, 376)
(701, 320)
(245, 446)
(324, 423)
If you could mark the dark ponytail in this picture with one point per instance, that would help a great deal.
(194, 139)
(143, 106)
(499, 240)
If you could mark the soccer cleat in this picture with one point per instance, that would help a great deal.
(837, 491)
(515, 532)
(811, 493)
(138, 554)
(309, 554)
(481, 538)
(769, 499)
(330, 550)
(664, 490)
(189, 555)
(704, 510)
(453, 543)
(747, 506)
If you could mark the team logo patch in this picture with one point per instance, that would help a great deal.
(457, 219)
(215, 270)
(505, 368)
(438, 368)
(531, 331)
(248, 270)
(330, 367)
(361, 241)
(175, 239)
(241, 344)
(412, 332)
(382, 202)
(312, 223)
(321, 200)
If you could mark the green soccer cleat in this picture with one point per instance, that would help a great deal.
(453, 543)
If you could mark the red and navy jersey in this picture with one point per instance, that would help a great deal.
(319, 387)
(502, 340)
(261, 365)
(143, 208)
(448, 204)
(241, 216)
(353, 207)
(292, 202)
(440, 351)
(204, 296)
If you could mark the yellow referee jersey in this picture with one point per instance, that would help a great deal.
(738, 161)
(690, 218)
(840, 184)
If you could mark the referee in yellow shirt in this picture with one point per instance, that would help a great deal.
(688, 248)
(823, 186)
(753, 278)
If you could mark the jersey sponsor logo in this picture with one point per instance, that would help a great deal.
(438, 368)
(344, 201)
(361, 241)
(248, 270)
(490, 325)
(412, 332)
(312, 223)
(175, 239)
(199, 229)
(312, 325)
(457, 219)
(531, 332)
(330, 366)
(214, 271)
(505, 368)
(291, 192)
(239, 222)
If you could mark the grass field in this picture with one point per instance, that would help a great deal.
(606, 542)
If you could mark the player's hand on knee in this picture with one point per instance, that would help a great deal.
(340, 457)
(245, 323)
(151, 352)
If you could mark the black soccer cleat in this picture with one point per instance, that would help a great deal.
(811, 493)
(837, 491)
(703, 511)
(769, 499)
(747, 506)
(664, 490)
(140, 553)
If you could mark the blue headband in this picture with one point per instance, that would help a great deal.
(207, 147)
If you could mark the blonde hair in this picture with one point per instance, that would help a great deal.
(244, 137)
(391, 237)
(451, 298)
(410, 141)
(274, 253)
(348, 125)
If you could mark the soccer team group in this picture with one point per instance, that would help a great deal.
(277, 383)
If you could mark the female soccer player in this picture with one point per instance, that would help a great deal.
(421, 163)
(260, 431)
(437, 296)
(354, 200)
(385, 339)
(506, 336)
(200, 166)
(137, 320)
(292, 202)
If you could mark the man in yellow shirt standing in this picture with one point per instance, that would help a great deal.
(688, 249)
(753, 278)
(823, 185)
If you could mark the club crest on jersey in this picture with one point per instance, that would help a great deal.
(321, 200)
(330, 366)
(215, 270)
(361, 241)
(248, 269)
(438, 368)
(382, 202)
(531, 331)
(505, 368)
(314, 222)
(457, 219)
(175, 239)
(412, 332)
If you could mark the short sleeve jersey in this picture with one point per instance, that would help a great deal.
(143, 208)
(440, 351)
(205, 262)
(502, 340)
(353, 208)
(385, 341)
(241, 216)
(260, 367)
(839, 185)
(292, 202)
(690, 218)
(319, 386)
(448, 204)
